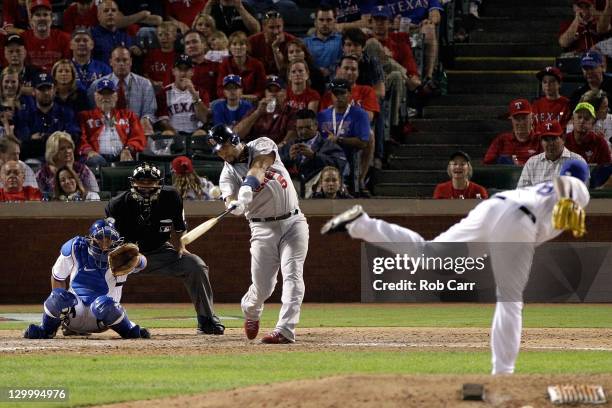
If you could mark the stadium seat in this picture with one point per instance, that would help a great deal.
(499, 177)
(209, 168)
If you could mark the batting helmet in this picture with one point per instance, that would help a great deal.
(575, 168)
(99, 231)
(221, 134)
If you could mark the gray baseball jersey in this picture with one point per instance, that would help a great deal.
(276, 196)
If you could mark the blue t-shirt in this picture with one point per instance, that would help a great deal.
(350, 10)
(88, 73)
(416, 10)
(325, 53)
(355, 123)
(221, 113)
(105, 41)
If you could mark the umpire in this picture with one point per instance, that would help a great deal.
(146, 215)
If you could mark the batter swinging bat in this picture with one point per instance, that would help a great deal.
(203, 228)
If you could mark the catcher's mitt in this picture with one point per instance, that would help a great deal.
(569, 216)
(123, 259)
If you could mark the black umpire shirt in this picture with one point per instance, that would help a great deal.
(166, 212)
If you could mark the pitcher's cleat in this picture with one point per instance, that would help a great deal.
(339, 222)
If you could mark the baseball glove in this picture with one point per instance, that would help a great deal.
(123, 260)
(569, 216)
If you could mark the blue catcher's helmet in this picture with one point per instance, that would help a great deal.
(575, 168)
(221, 134)
(99, 230)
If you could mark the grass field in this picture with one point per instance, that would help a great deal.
(96, 376)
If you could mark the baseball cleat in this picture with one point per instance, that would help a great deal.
(275, 338)
(339, 222)
(138, 332)
(251, 328)
(35, 331)
(210, 325)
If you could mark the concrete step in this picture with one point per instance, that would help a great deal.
(459, 138)
(489, 4)
(537, 23)
(470, 99)
(491, 77)
(502, 63)
(465, 112)
(517, 12)
(512, 90)
(544, 37)
(506, 50)
(421, 163)
(437, 151)
(409, 176)
(412, 190)
(460, 125)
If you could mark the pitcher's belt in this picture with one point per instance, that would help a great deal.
(279, 218)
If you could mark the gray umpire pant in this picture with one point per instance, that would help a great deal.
(166, 261)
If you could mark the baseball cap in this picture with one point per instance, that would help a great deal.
(552, 128)
(275, 80)
(82, 30)
(519, 106)
(339, 84)
(43, 79)
(14, 39)
(552, 71)
(106, 84)
(381, 11)
(182, 165)
(232, 79)
(183, 61)
(575, 168)
(591, 60)
(587, 106)
(40, 3)
(460, 153)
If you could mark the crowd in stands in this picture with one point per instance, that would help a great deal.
(98, 82)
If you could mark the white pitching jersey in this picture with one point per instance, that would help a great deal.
(276, 196)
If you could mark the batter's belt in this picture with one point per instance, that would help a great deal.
(279, 218)
(522, 208)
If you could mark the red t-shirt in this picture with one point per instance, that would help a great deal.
(506, 144)
(545, 110)
(399, 44)
(42, 54)
(302, 100)
(184, 11)
(205, 76)
(473, 190)
(586, 35)
(14, 14)
(28, 193)
(594, 148)
(362, 95)
(158, 65)
(73, 19)
(261, 50)
(253, 76)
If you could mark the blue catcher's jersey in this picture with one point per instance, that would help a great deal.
(87, 280)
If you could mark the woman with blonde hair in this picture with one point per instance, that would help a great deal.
(205, 24)
(299, 93)
(67, 92)
(10, 89)
(68, 187)
(250, 69)
(330, 185)
(459, 186)
(189, 185)
(59, 152)
(297, 51)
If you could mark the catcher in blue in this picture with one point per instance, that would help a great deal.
(87, 280)
(525, 217)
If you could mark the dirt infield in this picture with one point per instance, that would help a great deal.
(184, 341)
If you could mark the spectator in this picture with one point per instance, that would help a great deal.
(80, 14)
(218, 47)
(370, 69)
(299, 93)
(59, 153)
(582, 140)
(12, 178)
(134, 92)
(424, 19)
(547, 165)
(204, 71)
(330, 185)
(233, 108)
(68, 187)
(181, 107)
(250, 70)
(158, 61)
(87, 69)
(15, 55)
(272, 118)
(205, 24)
(188, 184)
(10, 149)
(37, 120)
(310, 152)
(551, 106)
(10, 91)
(518, 146)
(297, 51)
(580, 34)
(325, 45)
(351, 13)
(45, 45)
(15, 16)
(67, 92)
(231, 16)
(593, 71)
(109, 133)
(348, 126)
(182, 13)
(107, 34)
(270, 45)
(460, 171)
(603, 125)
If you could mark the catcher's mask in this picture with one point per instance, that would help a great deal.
(146, 183)
(103, 238)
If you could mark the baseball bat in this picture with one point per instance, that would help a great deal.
(204, 227)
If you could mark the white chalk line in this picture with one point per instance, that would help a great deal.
(462, 345)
